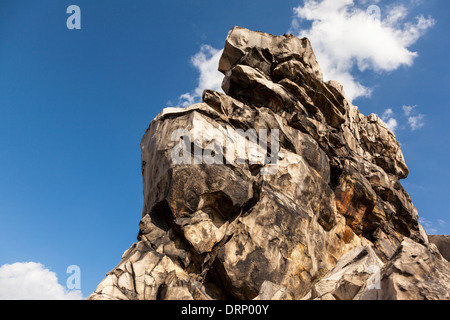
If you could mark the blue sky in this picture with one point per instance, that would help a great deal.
(74, 105)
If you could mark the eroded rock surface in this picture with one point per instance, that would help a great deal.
(319, 222)
(442, 243)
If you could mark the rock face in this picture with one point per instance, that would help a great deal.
(443, 244)
(320, 215)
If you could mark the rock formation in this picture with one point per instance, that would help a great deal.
(442, 243)
(326, 218)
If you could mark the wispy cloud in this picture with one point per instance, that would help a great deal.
(206, 61)
(389, 120)
(32, 281)
(410, 119)
(433, 226)
(345, 36)
(415, 120)
(429, 226)
(408, 110)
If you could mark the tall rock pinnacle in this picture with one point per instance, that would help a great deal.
(278, 188)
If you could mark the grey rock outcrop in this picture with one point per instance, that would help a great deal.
(349, 276)
(415, 272)
(442, 243)
(315, 222)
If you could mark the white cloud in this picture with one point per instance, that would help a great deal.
(408, 109)
(32, 281)
(387, 114)
(345, 36)
(389, 120)
(392, 124)
(415, 121)
(206, 61)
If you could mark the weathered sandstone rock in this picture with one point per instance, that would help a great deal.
(415, 272)
(325, 218)
(443, 244)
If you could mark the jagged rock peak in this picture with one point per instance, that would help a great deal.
(278, 188)
(240, 42)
